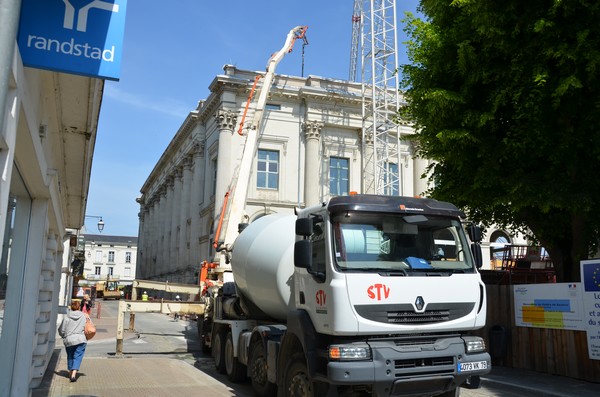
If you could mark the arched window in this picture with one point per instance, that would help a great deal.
(498, 240)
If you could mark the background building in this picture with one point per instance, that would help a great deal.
(109, 257)
(310, 148)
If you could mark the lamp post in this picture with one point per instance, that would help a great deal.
(100, 222)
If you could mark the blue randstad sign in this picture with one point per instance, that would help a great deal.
(73, 36)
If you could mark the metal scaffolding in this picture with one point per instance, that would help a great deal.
(374, 22)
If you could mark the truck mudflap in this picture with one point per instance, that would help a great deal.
(411, 369)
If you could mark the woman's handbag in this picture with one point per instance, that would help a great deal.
(90, 328)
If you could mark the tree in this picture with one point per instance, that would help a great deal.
(505, 98)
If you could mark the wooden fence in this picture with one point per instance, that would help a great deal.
(552, 351)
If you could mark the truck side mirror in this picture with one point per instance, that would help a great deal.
(477, 255)
(303, 254)
(474, 233)
(304, 227)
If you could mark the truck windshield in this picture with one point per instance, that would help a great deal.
(404, 243)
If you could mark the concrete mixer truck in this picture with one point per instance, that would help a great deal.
(362, 295)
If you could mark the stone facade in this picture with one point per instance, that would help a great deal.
(308, 121)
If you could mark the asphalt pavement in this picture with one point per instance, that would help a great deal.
(169, 362)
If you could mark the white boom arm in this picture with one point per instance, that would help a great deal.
(240, 184)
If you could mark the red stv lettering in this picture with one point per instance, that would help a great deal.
(321, 297)
(378, 291)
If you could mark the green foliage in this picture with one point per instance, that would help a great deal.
(505, 96)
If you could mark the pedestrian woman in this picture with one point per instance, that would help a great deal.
(71, 330)
(86, 304)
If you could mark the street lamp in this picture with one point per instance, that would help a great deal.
(100, 222)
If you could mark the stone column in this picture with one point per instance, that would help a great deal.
(146, 260)
(142, 232)
(197, 198)
(185, 211)
(160, 238)
(312, 159)
(163, 265)
(226, 121)
(420, 184)
(150, 240)
(174, 263)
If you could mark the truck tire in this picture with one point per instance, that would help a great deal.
(258, 371)
(297, 382)
(472, 382)
(236, 371)
(218, 351)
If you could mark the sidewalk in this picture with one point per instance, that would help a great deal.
(131, 377)
(145, 376)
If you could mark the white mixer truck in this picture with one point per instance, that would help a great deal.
(363, 295)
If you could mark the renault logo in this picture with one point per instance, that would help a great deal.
(420, 303)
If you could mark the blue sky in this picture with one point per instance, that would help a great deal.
(171, 53)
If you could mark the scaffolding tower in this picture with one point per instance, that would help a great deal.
(374, 42)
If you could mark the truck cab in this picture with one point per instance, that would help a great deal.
(394, 283)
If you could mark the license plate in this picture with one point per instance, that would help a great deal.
(473, 366)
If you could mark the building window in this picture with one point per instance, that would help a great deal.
(338, 176)
(392, 180)
(127, 257)
(98, 256)
(97, 270)
(111, 256)
(267, 175)
(498, 241)
(272, 106)
(127, 272)
(111, 270)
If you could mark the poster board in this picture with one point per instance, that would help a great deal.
(557, 306)
(590, 279)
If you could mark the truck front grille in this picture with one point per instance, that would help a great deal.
(423, 363)
(410, 317)
(404, 314)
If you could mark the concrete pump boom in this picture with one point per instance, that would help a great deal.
(238, 190)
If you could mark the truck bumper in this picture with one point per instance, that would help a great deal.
(413, 369)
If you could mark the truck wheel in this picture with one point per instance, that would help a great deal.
(235, 370)
(218, 351)
(472, 382)
(297, 382)
(258, 372)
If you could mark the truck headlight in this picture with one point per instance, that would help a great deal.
(349, 352)
(474, 344)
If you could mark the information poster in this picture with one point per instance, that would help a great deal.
(558, 306)
(590, 279)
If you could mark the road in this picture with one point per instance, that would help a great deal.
(159, 334)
